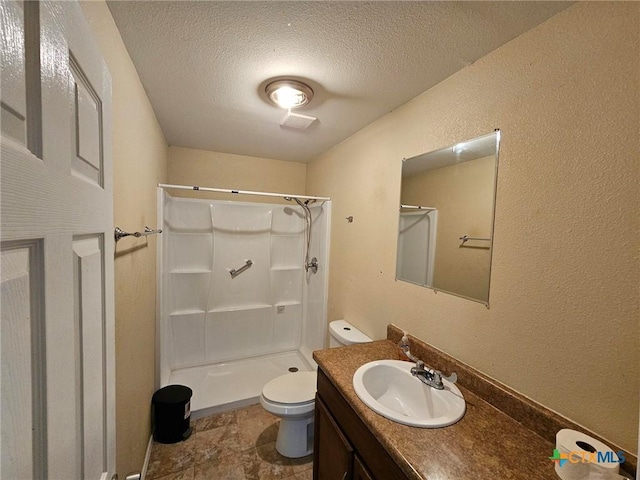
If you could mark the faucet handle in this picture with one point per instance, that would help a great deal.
(438, 377)
(453, 378)
(418, 369)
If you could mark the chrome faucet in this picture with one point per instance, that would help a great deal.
(433, 378)
(430, 377)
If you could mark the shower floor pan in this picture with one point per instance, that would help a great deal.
(226, 386)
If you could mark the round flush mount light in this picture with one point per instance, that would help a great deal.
(289, 93)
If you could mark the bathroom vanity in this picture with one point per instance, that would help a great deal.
(344, 447)
(353, 442)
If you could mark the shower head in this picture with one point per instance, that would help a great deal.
(307, 220)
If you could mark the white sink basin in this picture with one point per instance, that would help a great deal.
(388, 388)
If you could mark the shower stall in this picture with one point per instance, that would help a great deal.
(238, 302)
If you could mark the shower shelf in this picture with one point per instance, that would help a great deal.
(191, 311)
(190, 270)
(287, 303)
(236, 308)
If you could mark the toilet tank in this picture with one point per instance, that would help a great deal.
(343, 333)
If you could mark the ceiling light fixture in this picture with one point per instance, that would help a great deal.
(289, 93)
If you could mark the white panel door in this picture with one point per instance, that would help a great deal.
(56, 271)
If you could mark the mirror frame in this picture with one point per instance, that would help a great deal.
(497, 135)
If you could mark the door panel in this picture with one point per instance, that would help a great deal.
(87, 132)
(59, 216)
(20, 73)
(89, 314)
(23, 360)
(16, 353)
(12, 56)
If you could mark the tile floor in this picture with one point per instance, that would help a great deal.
(237, 445)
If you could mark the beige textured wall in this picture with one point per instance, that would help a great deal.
(140, 162)
(563, 327)
(463, 195)
(188, 166)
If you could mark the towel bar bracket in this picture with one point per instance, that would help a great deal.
(119, 233)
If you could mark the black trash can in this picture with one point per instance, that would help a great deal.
(171, 413)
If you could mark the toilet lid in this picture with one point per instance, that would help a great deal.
(291, 388)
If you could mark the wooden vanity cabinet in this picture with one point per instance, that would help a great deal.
(344, 448)
(333, 455)
(359, 471)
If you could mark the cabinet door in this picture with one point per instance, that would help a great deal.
(360, 472)
(333, 455)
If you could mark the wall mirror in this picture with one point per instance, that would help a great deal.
(447, 203)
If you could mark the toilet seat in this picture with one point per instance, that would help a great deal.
(291, 389)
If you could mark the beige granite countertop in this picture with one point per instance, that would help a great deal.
(485, 444)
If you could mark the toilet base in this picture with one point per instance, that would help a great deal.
(295, 436)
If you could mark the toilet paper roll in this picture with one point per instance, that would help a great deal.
(587, 458)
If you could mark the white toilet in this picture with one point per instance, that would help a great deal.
(292, 397)
(343, 333)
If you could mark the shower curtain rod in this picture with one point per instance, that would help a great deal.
(286, 196)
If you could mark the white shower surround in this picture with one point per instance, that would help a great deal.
(225, 338)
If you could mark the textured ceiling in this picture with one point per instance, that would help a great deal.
(205, 64)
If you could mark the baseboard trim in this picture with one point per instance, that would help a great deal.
(147, 457)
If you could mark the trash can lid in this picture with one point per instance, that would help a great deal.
(172, 394)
